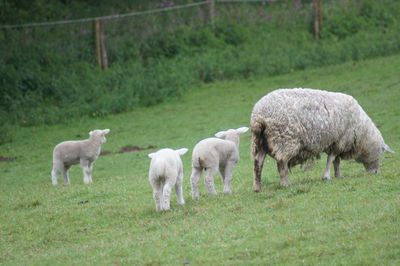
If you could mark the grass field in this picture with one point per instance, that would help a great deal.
(348, 221)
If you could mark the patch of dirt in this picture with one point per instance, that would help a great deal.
(105, 152)
(133, 148)
(6, 159)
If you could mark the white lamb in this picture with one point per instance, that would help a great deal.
(166, 171)
(216, 154)
(84, 152)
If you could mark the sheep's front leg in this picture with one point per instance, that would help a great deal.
(283, 170)
(209, 181)
(330, 159)
(86, 171)
(336, 164)
(227, 177)
(91, 172)
(194, 180)
(179, 189)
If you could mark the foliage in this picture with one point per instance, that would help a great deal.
(49, 75)
(353, 220)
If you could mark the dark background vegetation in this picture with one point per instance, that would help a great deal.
(49, 74)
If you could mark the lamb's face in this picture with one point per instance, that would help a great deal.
(99, 135)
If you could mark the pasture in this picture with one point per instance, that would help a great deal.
(351, 220)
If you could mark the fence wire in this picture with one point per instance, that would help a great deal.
(125, 34)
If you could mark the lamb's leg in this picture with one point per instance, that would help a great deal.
(54, 174)
(179, 189)
(166, 195)
(86, 171)
(157, 194)
(65, 173)
(91, 172)
(330, 159)
(283, 170)
(209, 181)
(336, 164)
(259, 158)
(228, 177)
(194, 180)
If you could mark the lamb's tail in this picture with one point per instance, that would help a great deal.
(259, 138)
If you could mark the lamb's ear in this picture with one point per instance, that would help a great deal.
(151, 155)
(90, 133)
(105, 131)
(220, 134)
(182, 151)
(242, 130)
(387, 148)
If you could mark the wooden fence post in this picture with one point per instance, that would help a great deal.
(317, 18)
(211, 4)
(101, 52)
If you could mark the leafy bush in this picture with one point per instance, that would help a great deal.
(45, 78)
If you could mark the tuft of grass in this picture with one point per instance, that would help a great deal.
(351, 220)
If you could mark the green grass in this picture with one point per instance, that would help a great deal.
(352, 220)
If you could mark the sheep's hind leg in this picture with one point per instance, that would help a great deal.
(227, 177)
(283, 170)
(330, 159)
(157, 194)
(65, 173)
(54, 175)
(166, 195)
(336, 166)
(259, 153)
(209, 181)
(179, 189)
(194, 180)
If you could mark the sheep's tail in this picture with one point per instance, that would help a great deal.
(197, 162)
(259, 138)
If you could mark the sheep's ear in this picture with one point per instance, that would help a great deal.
(90, 133)
(387, 148)
(105, 131)
(220, 134)
(182, 151)
(151, 155)
(242, 130)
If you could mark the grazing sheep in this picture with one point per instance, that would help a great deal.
(84, 152)
(295, 125)
(213, 154)
(166, 171)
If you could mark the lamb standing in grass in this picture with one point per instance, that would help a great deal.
(295, 125)
(213, 154)
(84, 152)
(166, 171)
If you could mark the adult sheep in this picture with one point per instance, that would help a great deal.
(295, 125)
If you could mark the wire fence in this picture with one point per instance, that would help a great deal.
(107, 39)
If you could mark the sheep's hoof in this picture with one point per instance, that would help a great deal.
(326, 178)
(257, 188)
(285, 183)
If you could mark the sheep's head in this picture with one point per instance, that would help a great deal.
(232, 134)
(180, 152)
(99, 135)
(371, 164)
